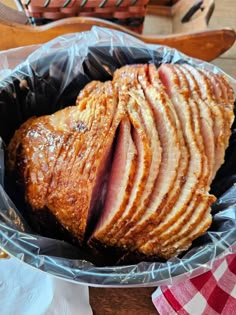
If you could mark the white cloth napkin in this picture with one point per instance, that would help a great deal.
(28, 291)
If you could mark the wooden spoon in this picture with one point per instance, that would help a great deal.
(206, 45)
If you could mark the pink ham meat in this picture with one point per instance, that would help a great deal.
(130, 166)
(149, 152)
(194, 217)
(206, 119)
(120, 182)
(224, 98)
(209, 93)
(196, 178)
(174, 164)
(199, 217)
(140, 106)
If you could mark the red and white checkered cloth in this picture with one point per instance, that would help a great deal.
(211, 293)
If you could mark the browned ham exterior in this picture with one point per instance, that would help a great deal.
(66, 156)
(130, 166)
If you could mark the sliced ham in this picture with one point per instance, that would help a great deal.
(224, 99)
(209, 92)
(70, 194)
(228, 92)
(147, 164)
(174, 164)
(200, 218)
(130, 166)
(181, 245)
(140, 106)
(141, 173)
(193, 184)
(194, 214)
(86, 92)
(143, 162)
(206, 119)
(197, 217)
(85, 135)
(120, 182)
(191, 217)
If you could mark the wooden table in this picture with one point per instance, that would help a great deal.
(137, 301)
(130, 301)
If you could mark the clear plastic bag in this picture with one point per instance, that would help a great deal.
(49, 79)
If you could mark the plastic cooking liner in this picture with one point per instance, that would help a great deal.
(50, 79)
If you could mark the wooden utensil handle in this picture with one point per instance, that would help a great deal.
(205, 45)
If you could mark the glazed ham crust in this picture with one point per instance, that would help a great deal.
(130, 166)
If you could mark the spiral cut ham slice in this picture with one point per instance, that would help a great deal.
(205, 117)
(139, 106)
(205, 136)
(192, 193)
(201, 218)
(172, 163)
(210, 87)
(120, 182)
(130, 166)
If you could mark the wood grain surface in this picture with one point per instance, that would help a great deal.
(131, 301)
(205, 45)
(192, 38)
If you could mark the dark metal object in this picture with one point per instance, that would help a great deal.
(197, 6)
